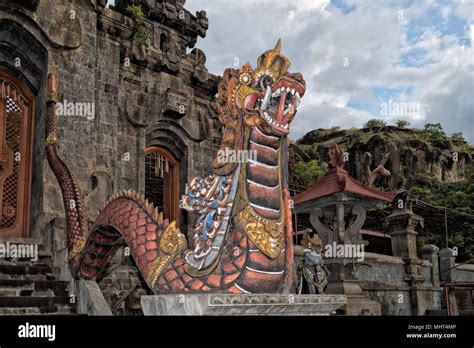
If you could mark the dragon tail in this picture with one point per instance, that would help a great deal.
(76, 213)
(152, 240)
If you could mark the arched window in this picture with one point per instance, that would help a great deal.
(162, 181)
(16, 141)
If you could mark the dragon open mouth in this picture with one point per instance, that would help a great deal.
(277, 104)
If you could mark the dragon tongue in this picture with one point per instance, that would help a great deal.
(266, 99)
(279, 113)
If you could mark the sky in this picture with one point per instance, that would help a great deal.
(391, 60)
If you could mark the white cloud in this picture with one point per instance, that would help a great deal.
(317, 36)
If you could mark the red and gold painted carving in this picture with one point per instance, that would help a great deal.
(242, 241)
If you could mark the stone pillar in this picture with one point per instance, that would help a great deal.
(402, 224)
(446, 264)
(430, 252)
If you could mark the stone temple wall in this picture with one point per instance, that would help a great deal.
(152, 91)
(382, 278)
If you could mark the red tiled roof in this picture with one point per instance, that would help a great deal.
(338, 180)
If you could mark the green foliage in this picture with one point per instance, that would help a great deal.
(464, 242)
(454, 195)
(418, 191)
(143, 33)
(458, 198)
(307, 173)
(402, 123)
(458, 137)
(434, 132)
(136, 12)
(375, 123)
(433, 128)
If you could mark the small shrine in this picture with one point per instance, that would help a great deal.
(337, 206)
(337, 203)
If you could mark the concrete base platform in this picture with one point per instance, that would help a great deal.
(248, 304)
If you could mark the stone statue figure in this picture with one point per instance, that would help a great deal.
(311, 270)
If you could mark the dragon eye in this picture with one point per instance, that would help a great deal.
(265, 81)
(245, 79)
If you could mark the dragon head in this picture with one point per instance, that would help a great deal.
(266, 97)
(272, 91)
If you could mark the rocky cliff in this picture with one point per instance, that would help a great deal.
(417, 156)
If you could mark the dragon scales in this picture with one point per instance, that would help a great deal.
(242, 241)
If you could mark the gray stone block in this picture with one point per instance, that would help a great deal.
(248, 304)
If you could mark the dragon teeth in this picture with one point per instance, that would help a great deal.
(267, 117)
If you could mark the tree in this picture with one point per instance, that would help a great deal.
(433, 128)
(375, 123)
(434, 131)
(307, 173)
(458, 137)
(454, 196)
(402, 123)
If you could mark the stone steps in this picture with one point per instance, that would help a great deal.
(33, 288)
(32, 301)
(42, 260)
(26, 291)
(33, 277)
(39, 285)
(25, 269)
(54, 310)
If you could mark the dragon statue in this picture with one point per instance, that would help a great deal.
(242, 241)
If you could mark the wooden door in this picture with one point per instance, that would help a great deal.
(162, 181)
(16, 145)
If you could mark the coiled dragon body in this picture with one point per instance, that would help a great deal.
(242, 242)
